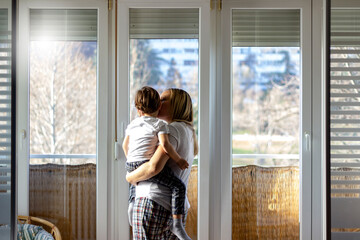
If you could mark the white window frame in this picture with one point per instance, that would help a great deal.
(223, 226)
(120, 199)
(103, 100)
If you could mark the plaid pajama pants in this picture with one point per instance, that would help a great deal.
(151, 221)
(167, 178)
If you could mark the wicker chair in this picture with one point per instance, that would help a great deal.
(54, 231)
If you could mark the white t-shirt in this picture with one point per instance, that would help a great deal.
(143, 137)
(181, 138)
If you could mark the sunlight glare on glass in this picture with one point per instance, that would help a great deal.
(44, 47)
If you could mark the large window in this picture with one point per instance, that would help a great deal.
(265, 123)
(164, 53)
(344, 123)
(63, 113)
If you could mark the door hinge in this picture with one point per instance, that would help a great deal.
(109, 5)
(219, 7)
(218, 4)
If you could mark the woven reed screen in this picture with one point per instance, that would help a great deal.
(66, 196)
(265, 201)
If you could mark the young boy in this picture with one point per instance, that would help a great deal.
(142, 138)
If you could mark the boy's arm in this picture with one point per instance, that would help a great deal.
(125, 145)
(168, 148)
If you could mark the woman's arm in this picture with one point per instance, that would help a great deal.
(150, 168)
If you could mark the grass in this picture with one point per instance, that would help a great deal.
(241, 151)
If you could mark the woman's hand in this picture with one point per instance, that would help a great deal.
(130, 179)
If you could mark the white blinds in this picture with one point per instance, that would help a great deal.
(345, 122)
(5, 117)
(153, 23)
(345, 27)
(266, 28)
(63, 25)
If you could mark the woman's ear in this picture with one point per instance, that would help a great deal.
(140, 113)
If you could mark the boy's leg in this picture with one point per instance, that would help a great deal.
(178, 190)
(131, 166)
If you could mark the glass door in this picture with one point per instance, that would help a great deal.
(344, 120)
(63, 89)
(64, 85)
(166, 48)
(7, 121)
(270, 133)
(164, 53)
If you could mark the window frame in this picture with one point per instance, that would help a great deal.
(226, 112)
(121, 186)
(103, 129)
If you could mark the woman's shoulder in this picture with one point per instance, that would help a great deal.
(179, 128)
(177, 125)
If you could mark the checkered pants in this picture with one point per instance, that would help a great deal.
(151, 221)
(167, 178)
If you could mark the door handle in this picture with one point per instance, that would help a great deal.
(307, 141)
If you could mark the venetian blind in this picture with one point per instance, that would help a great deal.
(5, 116)
(153, 23)
(266, 28)
(345, 122)
(63, 25)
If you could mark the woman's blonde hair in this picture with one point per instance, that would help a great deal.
(182, 110)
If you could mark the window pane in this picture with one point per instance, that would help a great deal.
(266, 87)
(7, 162)
(162, 64)
(63, 90)
(266, 119)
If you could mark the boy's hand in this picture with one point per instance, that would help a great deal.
(182, 163)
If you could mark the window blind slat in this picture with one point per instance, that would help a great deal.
(345, 191)
(346, 60)
(152, 23)
(345, 104)
(345, 51)
(344, 78)
(345, 155)
(5, 169)
(345, 173)
(344, 86)
(345, 129)
(346, 182)
(5, 178)
(345, 164)
(344, 121)
(344, 95)
(339, 139)
(63, 25)
(344, 112)
(345, 147)
(265, 28)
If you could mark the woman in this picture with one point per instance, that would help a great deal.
(152, 209)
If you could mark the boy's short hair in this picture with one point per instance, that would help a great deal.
(147, 100)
